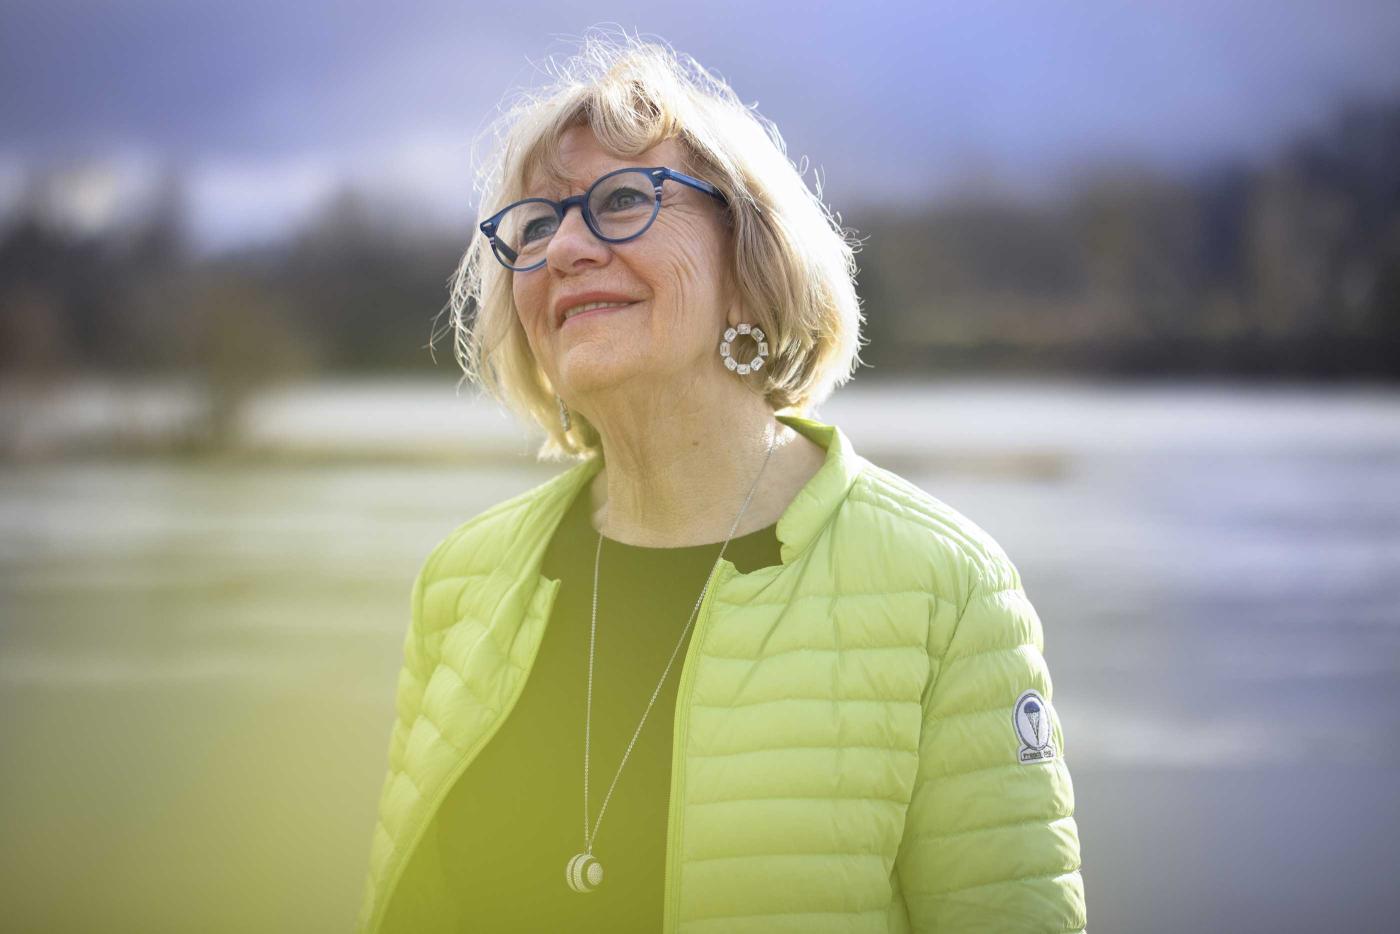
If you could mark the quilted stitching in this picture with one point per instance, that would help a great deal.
(849, 761)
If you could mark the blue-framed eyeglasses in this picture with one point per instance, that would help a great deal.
(618, 207)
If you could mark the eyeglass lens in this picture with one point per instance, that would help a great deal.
(621, 206)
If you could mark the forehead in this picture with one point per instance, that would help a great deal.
(578, 159)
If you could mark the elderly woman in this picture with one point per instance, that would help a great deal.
(723, 673)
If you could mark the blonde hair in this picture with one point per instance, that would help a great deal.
(794, 264)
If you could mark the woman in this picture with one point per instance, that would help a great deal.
(723, 674)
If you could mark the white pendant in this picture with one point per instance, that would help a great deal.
(584, 873)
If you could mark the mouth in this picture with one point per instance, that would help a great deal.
(599, 310)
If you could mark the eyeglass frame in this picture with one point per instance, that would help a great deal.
(658, 173)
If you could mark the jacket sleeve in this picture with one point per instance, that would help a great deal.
(990, 842)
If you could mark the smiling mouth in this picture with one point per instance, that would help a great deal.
(594, 311)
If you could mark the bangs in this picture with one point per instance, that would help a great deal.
(624, 112)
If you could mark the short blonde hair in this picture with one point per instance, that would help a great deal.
(793, 263)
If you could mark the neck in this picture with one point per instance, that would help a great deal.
(674, 478)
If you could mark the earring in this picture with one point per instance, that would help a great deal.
(564, 419)
(743, 369)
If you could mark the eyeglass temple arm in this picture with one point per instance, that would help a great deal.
(684, 179)
(500, 244)
(488, 227)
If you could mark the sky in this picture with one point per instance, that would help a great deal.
(267, 108)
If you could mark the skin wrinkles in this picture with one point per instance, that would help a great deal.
(683, 437)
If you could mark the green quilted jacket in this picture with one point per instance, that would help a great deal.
(863, 739)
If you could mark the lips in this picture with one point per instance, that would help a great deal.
(565, 302)
(597, 311)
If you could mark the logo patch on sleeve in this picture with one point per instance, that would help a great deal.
(1031, 720)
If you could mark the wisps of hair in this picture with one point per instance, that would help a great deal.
(794, 263)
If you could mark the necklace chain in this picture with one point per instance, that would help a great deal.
(588, 722)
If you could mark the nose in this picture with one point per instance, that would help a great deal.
(574, 242)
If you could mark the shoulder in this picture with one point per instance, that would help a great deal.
(910, 526)
(979, 605)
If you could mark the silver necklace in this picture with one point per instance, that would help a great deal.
(584, 872)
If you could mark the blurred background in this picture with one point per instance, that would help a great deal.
(1132, 280)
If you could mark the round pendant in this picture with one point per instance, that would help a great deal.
(584, 873)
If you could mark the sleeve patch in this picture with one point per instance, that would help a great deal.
(1030, 719)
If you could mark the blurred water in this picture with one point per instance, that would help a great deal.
(198, 658)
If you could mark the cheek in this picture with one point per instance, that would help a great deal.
(689, 273)
(528, 304)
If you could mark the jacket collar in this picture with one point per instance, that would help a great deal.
(799, 524)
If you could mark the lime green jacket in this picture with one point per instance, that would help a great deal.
(863, 737)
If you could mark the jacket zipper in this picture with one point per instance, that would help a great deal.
(673, 843)
(456, 773)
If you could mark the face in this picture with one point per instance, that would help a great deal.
(676, 275)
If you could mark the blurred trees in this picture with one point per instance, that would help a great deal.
(1292, 268)
(1289, 268)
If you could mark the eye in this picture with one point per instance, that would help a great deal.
(542, 227)
(624, 198)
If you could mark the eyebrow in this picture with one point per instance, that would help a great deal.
(550, 184)
(544, 176)
(553, 181)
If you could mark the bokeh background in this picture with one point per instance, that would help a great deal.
(1132, 281)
